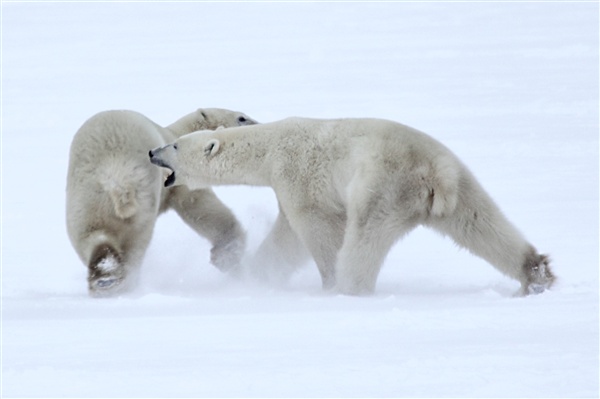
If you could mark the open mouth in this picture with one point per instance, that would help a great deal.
(159, 162)
(170, 179)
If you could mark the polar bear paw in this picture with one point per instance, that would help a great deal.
(539, 277)
(227, 256)
(106, 285)
(106, 272)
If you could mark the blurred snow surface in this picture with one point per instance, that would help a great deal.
(512, 88)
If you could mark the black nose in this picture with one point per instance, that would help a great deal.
(151, 154)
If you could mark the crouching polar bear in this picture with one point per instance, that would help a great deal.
(114, 195)
(348, 189)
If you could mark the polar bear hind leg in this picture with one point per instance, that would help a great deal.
(114, 261)
(478, 225)
(105, 270)
(124, 201)
(322, 233)
(466, 213)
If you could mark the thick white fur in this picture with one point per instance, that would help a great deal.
(114, 195)
(348, 189)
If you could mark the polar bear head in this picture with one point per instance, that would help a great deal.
(188, 158)
(212, 118)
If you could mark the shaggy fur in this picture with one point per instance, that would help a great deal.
(114, 196)
(349, 189)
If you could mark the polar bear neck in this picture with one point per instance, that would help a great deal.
(187, 124)
(244, 156)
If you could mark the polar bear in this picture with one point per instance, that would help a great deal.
(114, 195)
(348, 189)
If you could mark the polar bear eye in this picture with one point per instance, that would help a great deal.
(175, 146)
(242, 119)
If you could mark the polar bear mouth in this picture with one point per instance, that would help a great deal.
(170, 179)
(159, 162)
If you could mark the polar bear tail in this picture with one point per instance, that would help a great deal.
(444, 187)
(124, 201)
(123, 181)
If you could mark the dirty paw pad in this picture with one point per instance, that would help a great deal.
(105, 270)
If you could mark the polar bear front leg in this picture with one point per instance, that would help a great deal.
(208, 216)
(322, 233)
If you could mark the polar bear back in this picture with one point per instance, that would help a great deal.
(305, 159)
(107, 163)
(360, 150)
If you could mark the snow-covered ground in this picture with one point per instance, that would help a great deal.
(512, 88)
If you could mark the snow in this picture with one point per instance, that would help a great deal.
(511, 87)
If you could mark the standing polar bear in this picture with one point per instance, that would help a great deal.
(114, 195)
(349, 188)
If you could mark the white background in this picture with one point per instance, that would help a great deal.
(512, 88)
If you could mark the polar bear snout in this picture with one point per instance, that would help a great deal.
(157, 156)
(160, 157)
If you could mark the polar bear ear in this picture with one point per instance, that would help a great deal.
(211, 147)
